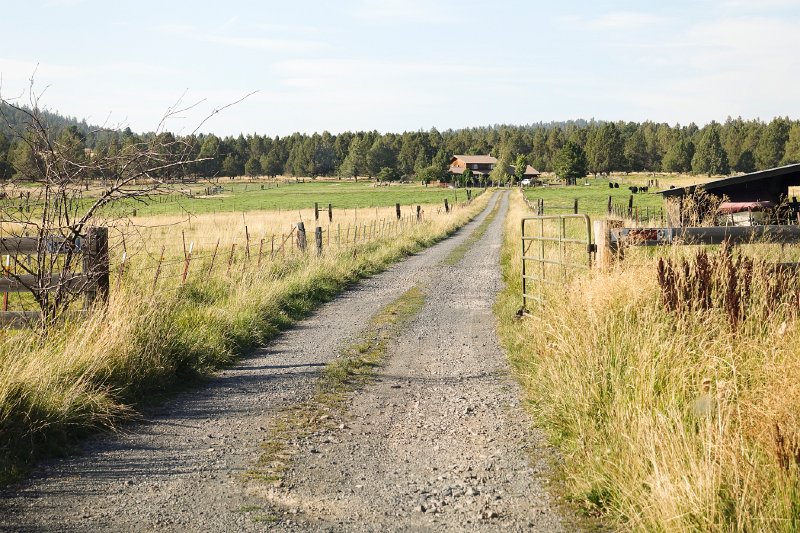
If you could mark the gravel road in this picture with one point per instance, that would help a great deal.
(438, 441)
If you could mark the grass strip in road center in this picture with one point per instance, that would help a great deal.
(343, 376)
(461, 250)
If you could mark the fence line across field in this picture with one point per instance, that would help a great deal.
(194, 258)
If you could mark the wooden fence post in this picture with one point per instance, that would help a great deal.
(604, 257)
(610, 205)
(316, 212)
(575, 207)
(301, 236)
(95, 265)
(213, 257)
(397, 210)
(330, 212)
(630, 206)
(446, 206)
(318, 239)
(419, 212)
(158, 268)
(187, 261)
(247, 242)
(230, 258)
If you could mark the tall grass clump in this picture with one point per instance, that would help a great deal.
(671, 385)
(92, 373)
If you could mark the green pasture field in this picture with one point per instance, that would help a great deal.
(291, 196)
(592, 198)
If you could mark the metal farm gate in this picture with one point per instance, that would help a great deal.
(554, 247)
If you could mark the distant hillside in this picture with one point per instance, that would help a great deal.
(12, 119)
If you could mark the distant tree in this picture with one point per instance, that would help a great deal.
(678, 157)
(635, 151)
(792, 150)
(431, 173)
(379, 157)
(388, 174)
(355, 163)
(230, 167)
(604, 149)
(209, 151)
(520, 166)
(770, 149)
(271, 163)
(570, 163)
(499, 173)
(466, 177)
(21, 158)
(253, 167)
(746, 162)
(709, 156)
(6, 171)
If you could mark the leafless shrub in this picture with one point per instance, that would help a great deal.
(55, 212)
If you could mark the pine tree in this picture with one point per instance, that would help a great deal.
(792, 150)
(771, 145)
(746, 162)
(252, 167)
(604, 149)
(679, 156)
(570, 163)
(520, 166)
(709, 157)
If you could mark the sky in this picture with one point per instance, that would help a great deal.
(400, 65)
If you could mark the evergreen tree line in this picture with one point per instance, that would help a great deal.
(736, 145)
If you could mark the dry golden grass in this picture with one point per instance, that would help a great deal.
(88, 374)
(666, 422)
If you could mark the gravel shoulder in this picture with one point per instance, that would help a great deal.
(438, 441)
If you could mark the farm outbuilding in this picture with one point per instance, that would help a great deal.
(482, 165)
(765, 190)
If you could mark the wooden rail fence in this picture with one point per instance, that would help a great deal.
(93, 282)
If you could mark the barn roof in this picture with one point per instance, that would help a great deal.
(768, 174)
(479, 159)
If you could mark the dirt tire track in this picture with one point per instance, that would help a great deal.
(182, 468)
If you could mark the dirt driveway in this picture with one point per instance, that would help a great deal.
(438, 441)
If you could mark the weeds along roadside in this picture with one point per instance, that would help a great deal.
(666, 421)
(85, 376)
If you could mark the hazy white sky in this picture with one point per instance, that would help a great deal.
(395, 65)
